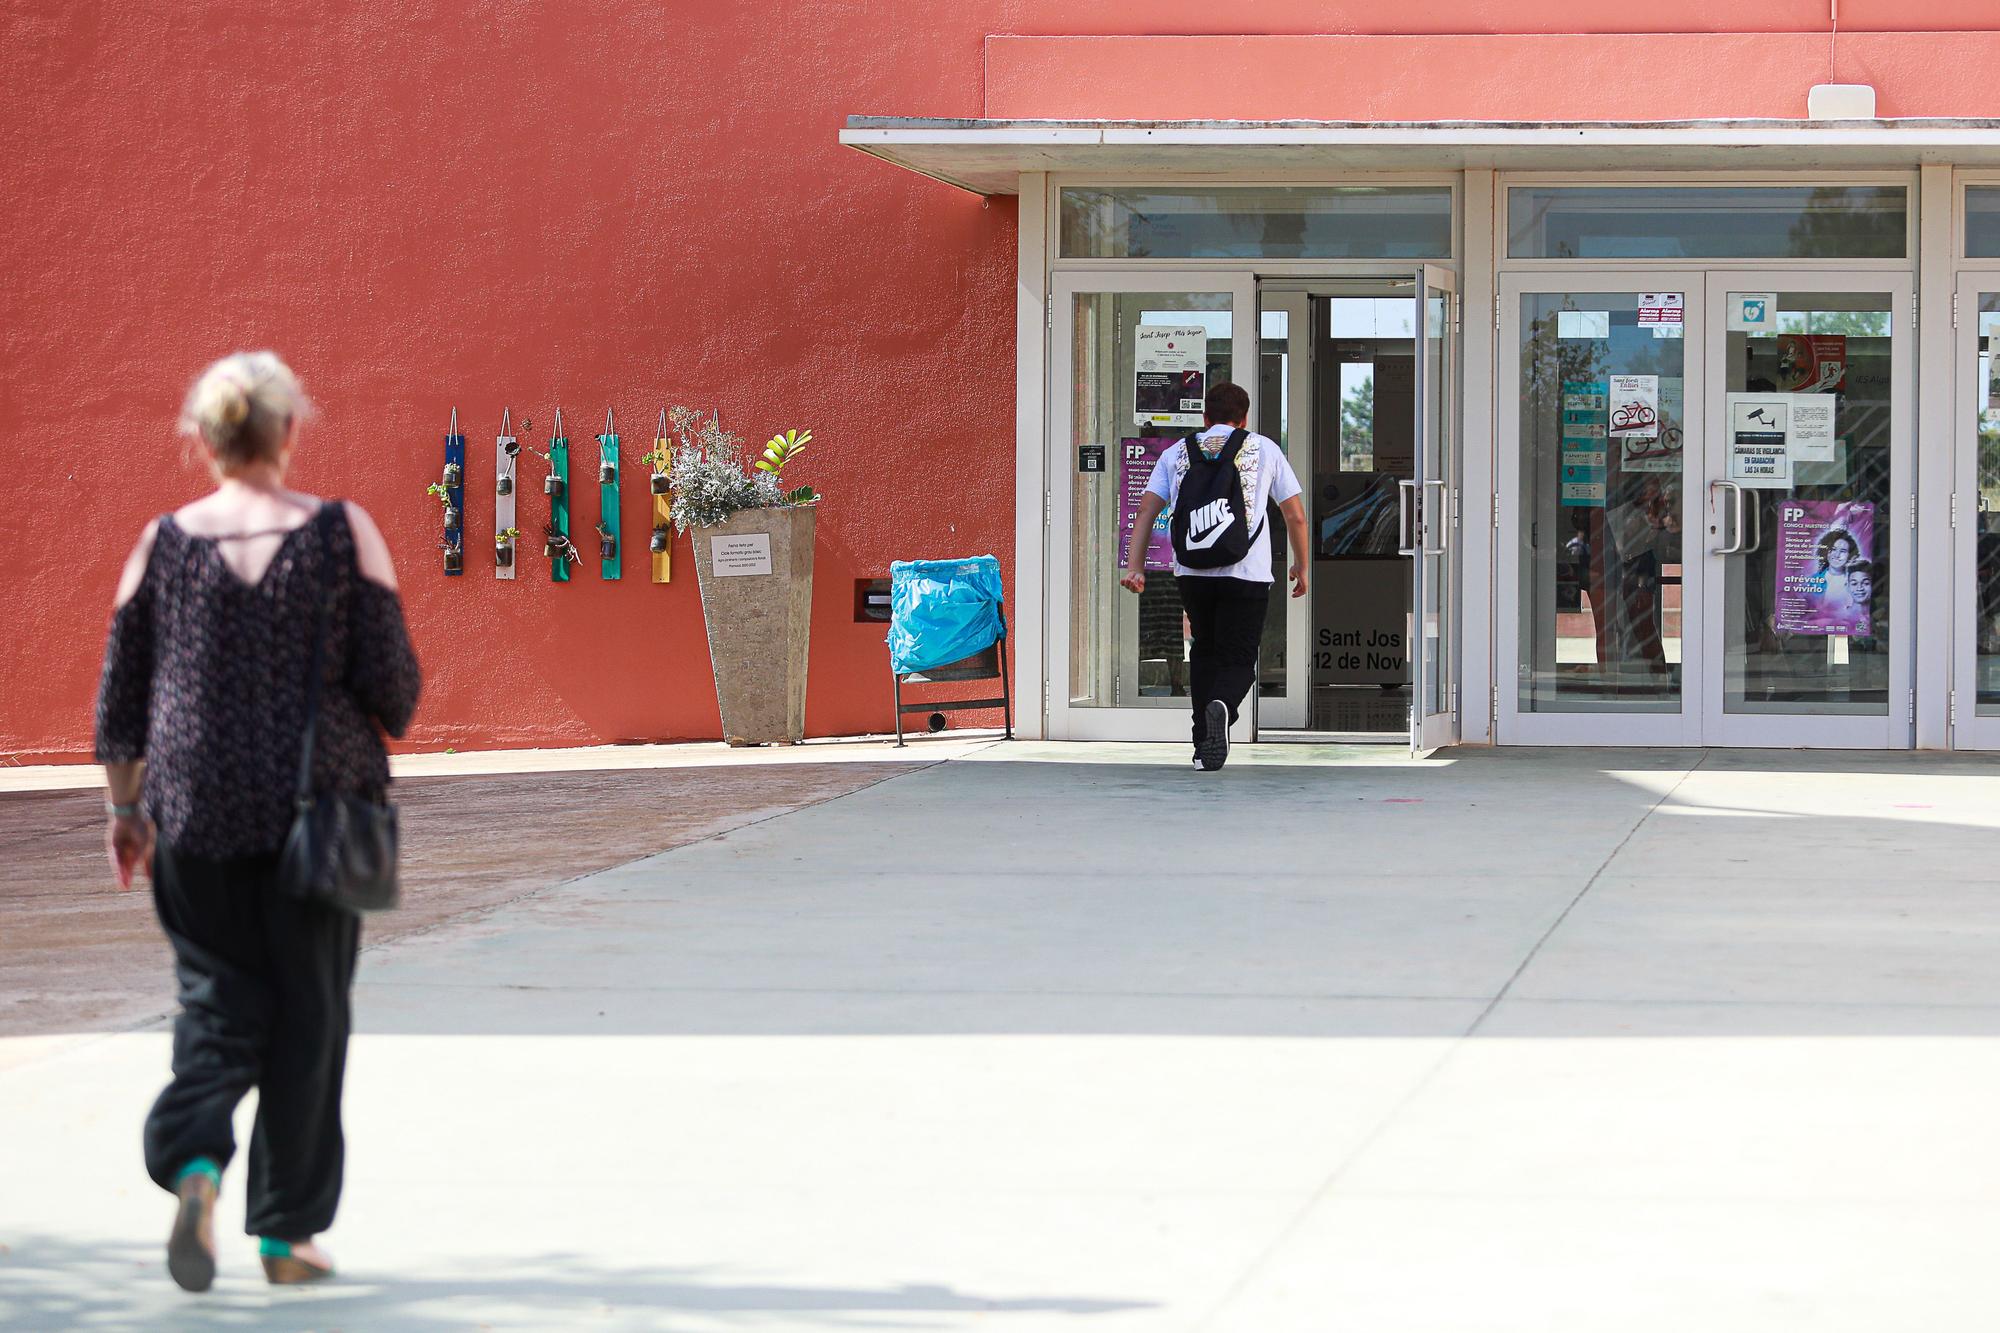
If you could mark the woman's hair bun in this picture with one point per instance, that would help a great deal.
(243, 407)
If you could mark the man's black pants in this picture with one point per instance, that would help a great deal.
(1225, 627)
(264, 984)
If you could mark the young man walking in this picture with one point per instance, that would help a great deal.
(1219, 485)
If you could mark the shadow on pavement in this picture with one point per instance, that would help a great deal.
(49, 1282)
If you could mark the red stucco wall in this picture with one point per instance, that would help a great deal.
(522, 205)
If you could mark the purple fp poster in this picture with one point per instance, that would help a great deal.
(1135, 469)
(1826, 567)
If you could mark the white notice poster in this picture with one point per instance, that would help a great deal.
(1810, 439)
(1169, 373)
(736, 556)
(1759, 456)
(1662, 308)
(1635, 407)
(1593, 324)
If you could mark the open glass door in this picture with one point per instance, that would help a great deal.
(1431, 512)
(1131, 356)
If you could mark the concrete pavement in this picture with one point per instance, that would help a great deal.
(1535, 1041)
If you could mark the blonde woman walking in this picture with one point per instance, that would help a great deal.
(200, 723)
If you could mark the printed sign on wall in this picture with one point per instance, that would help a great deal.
(1826, 570)
(1170, 370)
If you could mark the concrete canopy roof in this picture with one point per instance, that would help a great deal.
(988, 156)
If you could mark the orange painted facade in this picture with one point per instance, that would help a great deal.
(633, 205)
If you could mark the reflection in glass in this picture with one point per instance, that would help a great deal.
(1982, 221)
(1257, 222)
(1600, 520)
(1708, 222)
(1806, 605)
(1986, 630)
(1125, 651)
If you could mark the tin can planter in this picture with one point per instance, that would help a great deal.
(662, 539)
(504, 486)
(454, 475)
(660, 483)
(451, 518)
(454, 559)
(552, 486)
(607, 473)
(503, 554)
(607, 547)
(757, 603)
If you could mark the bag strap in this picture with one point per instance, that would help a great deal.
(317, 668)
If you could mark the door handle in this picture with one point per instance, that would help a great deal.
(1735, 546)
(1442, 523)
(1406, 490)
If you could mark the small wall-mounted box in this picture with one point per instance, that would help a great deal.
(871, 601)
(1840, 101)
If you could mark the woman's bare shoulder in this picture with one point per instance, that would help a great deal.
(134, 572)
(371, 551)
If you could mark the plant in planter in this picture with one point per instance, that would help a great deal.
(454, 557)
(754, 560)
(661, 459)
(557, 545)
(663, 537)
(552, 485)
(607, 543)
(503, 546)
(454, 476)
(443, 494)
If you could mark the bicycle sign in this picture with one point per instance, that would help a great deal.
(1635, 406)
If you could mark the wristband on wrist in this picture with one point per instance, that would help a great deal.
(128, 810)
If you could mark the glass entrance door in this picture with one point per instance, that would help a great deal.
(1131, 356)
(1811, 507)
(1975, 687)
(1600, 509)
(1710, 510)
(1432, 505)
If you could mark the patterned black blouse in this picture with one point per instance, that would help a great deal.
(204, 679)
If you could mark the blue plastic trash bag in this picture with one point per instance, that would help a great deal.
(943, 610)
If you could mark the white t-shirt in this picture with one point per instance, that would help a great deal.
(1276, 483)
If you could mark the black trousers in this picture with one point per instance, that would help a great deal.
(264, 984)
(1225, 628)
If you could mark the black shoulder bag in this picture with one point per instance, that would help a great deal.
(342, 847)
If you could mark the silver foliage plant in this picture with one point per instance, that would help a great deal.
(709, 480)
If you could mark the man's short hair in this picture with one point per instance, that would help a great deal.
(1227, 402)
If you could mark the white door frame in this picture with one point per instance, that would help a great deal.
(1598, 724)
(1897, 528)
(1092, 723)
(1292, 710)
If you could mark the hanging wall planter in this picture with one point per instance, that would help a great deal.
(553, 486)
(663, 540)
(607, 543)
(454, 559)
(506, 458)
(660, 483)
(454, 474)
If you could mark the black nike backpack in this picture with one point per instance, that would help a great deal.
(1211, 527)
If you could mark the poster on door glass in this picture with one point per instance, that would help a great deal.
(1826, 569)
(1169, 369)
(1135, 468)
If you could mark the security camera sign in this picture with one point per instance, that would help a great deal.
(1170, 373)
(1759, 440)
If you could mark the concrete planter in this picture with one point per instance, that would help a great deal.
(758, 623)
